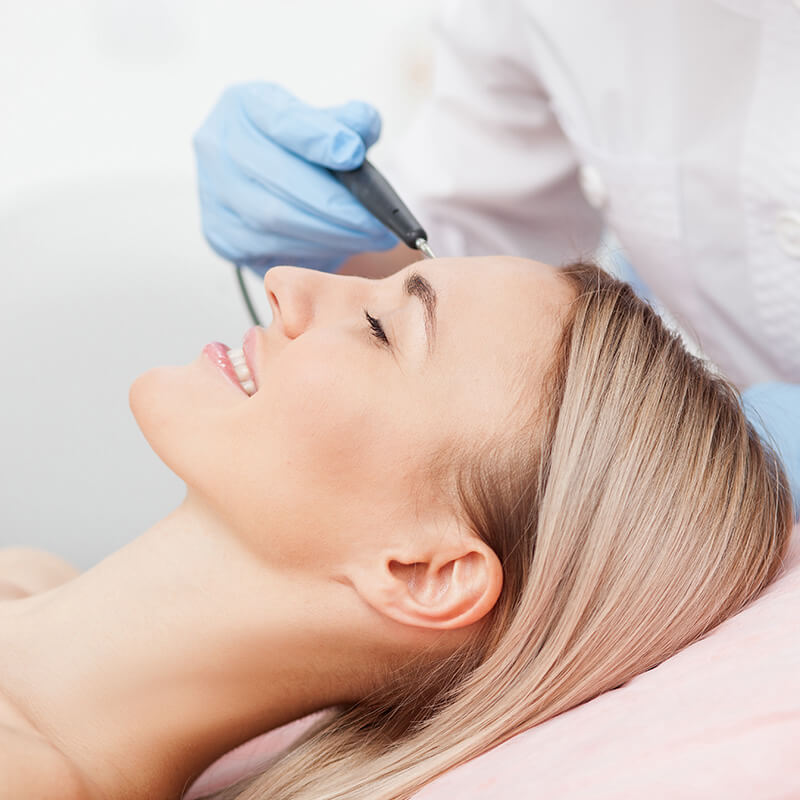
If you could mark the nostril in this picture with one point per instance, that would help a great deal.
(287, 322)
(290, 299)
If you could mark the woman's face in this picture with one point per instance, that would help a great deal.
(332, 451)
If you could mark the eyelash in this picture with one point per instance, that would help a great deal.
(376, 328)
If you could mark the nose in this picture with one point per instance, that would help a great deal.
(301, 297)
(291, 293)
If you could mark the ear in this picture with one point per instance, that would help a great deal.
(449, 582)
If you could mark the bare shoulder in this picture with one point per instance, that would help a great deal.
(32, 768)
(26, 570)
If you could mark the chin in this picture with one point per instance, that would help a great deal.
(153, 402)
(182, 412)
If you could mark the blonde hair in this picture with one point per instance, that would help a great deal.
(632, 515)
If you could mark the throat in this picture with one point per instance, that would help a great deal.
(14, 715)
(14, 721)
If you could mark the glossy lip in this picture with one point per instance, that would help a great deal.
(250, 348)
(217, 353)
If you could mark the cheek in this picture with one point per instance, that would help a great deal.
(313, 456)
(324, 415)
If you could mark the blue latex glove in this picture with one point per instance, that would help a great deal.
(264, 197)
(774, 410)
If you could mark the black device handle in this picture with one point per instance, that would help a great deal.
(376, 194)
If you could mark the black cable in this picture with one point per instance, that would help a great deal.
(246, 296)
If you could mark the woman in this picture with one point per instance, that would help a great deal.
(462, 499)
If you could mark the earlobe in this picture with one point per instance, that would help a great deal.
(455, 586)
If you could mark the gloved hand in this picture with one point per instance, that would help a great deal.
(774, 410)
(265, 198)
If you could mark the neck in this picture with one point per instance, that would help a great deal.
(167, 654)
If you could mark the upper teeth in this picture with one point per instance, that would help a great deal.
(242, 370)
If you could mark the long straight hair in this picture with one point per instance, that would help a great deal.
(632, 515)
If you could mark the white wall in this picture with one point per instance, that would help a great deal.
(105, 271)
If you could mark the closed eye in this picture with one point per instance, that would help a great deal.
(376, 328)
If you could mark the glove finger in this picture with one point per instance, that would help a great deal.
(230, 157)
(254, 221)
(311, 133)
(264, 211)
(234, 240)
(361, 117)
(292, 180)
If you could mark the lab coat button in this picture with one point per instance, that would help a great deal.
(788, 229)
(593, 186)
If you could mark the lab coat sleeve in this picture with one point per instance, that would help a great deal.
(485, 166)
(774, 410)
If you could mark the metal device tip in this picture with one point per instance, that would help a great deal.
(424, 248)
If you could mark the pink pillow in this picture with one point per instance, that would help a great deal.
(719, 719)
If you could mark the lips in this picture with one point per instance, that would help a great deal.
(217, 353)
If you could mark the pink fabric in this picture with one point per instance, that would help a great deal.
(720, 719)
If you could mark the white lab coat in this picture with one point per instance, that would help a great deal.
(675, 122)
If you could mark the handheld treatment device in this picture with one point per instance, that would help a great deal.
(378, 196)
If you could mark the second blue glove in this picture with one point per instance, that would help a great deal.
(774, 410)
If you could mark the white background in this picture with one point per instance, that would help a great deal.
(105, 270)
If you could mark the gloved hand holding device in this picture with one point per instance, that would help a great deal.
(265, 195)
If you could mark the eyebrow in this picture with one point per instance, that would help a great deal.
(417, 286)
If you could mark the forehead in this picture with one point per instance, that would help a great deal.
(498, 320)
(515, 300)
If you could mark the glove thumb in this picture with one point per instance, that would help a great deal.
(361, 117)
